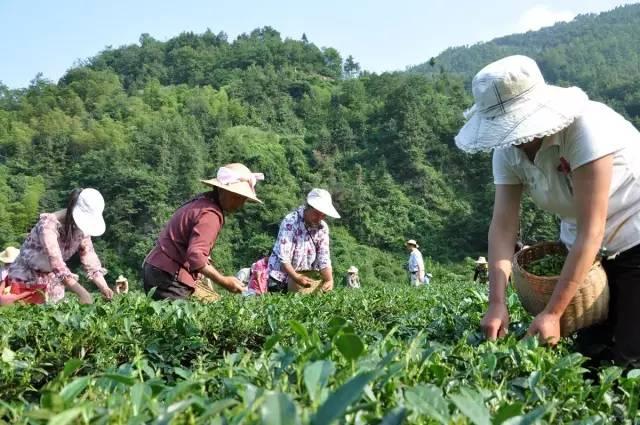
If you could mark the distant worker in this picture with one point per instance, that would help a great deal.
(7, 257)
(481, 270)
(122, 285)
(352, 279)
(416, 263)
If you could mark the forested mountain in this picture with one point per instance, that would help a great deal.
(597, 52)
(142, 123)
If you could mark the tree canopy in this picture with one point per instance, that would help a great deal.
(144, 122)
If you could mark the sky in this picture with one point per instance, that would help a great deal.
(49, 37)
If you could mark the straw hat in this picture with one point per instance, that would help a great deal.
(514, 105)
(320, 200)
(352, 269)
(237, 178)
(481, 260)
(9, 255)
(87, 213)
(121, 279)
(413, 242)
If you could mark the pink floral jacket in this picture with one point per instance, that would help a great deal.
(43, 255)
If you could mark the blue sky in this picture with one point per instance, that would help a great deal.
(50, 36)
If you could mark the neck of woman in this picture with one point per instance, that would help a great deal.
(61, 215)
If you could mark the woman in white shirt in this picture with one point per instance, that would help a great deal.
(578, 159)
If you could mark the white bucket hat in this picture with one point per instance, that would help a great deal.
(320, 200)
(87, 212)
(237, 178)
(9, 255)
(352, 269)
(412, 242)
(481, 260)
(514, 105)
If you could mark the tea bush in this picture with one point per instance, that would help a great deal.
(386, 354)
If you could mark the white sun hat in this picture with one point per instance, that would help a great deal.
(413, 242)
(237, 178)
(320, 200)
(481, 260)
(514, 105)
(87, 213)
(9, 255)
(352, 269)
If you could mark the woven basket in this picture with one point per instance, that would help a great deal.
(314, 288)
(205, 294)
(589, 306)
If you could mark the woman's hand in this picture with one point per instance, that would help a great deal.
(233, 284)
(495, 322)
(106, 292)
(303, 280)
(12, 298)
(547, 327)
(327, 286)
(102, 286)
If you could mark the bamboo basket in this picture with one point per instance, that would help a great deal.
(314, 288)
(589, 306)
(204, 293)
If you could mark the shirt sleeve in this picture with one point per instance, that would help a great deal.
(48, 233)
(323, 254)
(596, 133)
(89, 259)
(503, 171)
(203, 237)
(283, 248)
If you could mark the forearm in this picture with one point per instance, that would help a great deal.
(574, 271)
(100, 282)
(501, 243)
(79, 290)
(288, 268)
(213, 274)
(327, 274)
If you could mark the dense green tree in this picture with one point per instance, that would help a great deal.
(144, 122)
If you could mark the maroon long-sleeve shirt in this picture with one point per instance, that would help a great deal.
(184, 244)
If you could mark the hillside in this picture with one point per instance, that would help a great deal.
(143, 122)
(597, 52)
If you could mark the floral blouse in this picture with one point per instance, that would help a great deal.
(304, 247)
(43, 255)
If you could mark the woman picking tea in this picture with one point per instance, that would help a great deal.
(576, 158)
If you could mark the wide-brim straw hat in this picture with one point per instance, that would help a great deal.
(481, 260)
(9, 255)
(412, 242)
(320, 200)
(352, 269)
(238, 179)
(87, 213)
(514, 105)
(121, 279)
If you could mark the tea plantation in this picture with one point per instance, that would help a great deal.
(384, 355)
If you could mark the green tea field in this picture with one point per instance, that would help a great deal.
(382, 355)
